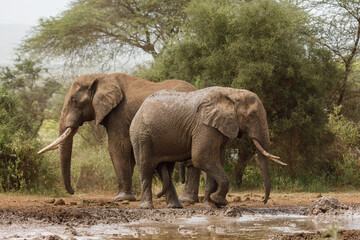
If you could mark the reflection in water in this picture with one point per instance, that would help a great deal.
(246, 227)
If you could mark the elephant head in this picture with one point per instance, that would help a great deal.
(90, 97)
(235, 112)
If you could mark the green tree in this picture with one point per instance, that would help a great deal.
(20, 167)
(24, 93)
(267, 47)
(34, 86)
(101, 29)
(339, 31)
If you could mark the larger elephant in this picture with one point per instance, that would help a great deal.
(111, 100)
(172, 126)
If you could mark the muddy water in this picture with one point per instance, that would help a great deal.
(248, 226)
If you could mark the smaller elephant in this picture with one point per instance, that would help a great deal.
(172, 127)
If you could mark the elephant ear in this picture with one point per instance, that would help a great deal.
(107, 95)
(218, 110)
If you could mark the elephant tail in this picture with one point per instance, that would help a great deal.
(164, 174)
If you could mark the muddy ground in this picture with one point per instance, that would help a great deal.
(95, 209)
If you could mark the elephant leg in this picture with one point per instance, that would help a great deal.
(213, 166)
(222, 180)
(191, 189)
(172, 200)
(219, 175)
(123, 162)
(146, 170)
(210, 187)
(146, 174)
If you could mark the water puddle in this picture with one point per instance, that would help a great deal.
(259, 226)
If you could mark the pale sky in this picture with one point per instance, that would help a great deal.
(28, 12)
(16, 19)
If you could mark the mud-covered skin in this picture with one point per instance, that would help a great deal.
(173, 126)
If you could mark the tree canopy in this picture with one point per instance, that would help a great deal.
(339, 31)
(266, 47)
(28, 81)
(102, 29)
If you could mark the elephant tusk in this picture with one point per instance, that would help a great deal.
(266, 154)
(56, 143)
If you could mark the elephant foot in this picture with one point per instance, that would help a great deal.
(174, 205)
(209, 204)
(124, 196)
(184, 197)
(221, 201)
(146, 205)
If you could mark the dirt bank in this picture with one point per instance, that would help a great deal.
(95, 209)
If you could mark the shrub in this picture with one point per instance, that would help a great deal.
(20, 167)
(343, 154)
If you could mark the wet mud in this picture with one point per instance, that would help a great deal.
(101, 219)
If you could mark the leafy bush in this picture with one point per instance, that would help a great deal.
(266, 47)
(343, 154)
(20, 167)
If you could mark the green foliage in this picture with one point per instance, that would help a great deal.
(199, 55)
(20, 167)
(293, 76)
(338, 29)
(23, 97)
(99, 30)
(34, 86)
(343, 156)
(267, 47)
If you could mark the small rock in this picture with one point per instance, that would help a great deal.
(221, 231)
(211, 228)
(70, 230)
(183, 230)
(237, 199)
(189, 201)
(53, 237)
(51, 200)
(325, 205)
(59, 202)
(233, 211)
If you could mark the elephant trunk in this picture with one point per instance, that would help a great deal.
(259, 134)
(264, 167)
(65, 157)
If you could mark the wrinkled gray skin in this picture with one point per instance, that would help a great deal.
(111, 100)
(191, 189)
(171, 126)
